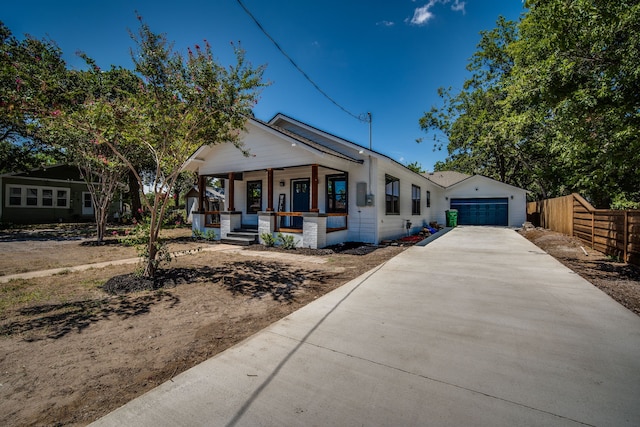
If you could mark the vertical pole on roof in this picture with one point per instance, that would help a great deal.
(369, 114)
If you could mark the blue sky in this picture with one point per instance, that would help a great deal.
(384, 57)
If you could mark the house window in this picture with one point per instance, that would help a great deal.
(15, 196)
(254, 196)
(337, 193)
(415, 200)
(47, 197)
(392, 195)
(21, 196)
(32, 197)
(428, 198)
(62, 198)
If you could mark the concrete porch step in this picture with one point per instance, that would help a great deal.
(242, 237)
(238, 241)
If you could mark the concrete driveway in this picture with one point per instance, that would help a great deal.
(480, 327)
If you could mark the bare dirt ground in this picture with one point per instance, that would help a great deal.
(619, 280)
(70, 352)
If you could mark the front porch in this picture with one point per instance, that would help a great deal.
(295, 211)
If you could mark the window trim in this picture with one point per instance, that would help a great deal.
(390, 179)
(337, 177)
(39, 196)
(415, 199)
(249, 209)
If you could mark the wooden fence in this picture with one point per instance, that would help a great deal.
(613, 232)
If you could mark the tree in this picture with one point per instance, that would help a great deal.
(84, 129)
(31, 79)
(552, 103)
(472, 120)
(578, 65)
(182, 104)
(416, 167)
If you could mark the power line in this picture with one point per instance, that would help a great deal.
(362, 117)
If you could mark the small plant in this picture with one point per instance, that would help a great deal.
(268, 239)
(287, 242)
(210, 235)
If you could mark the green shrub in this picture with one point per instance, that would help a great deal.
(268, 239)
(287, 242)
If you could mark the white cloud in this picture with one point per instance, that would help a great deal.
(458, 6)
(422, 15)
(386, 23)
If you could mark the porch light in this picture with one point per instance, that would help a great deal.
(282, 183)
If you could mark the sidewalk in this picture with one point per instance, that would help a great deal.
(480, 327)
(82, 267)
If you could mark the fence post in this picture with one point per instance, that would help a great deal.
(593, 228)
(626, 234)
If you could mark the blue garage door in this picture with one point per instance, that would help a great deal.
(482, 211)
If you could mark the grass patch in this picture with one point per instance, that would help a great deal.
(20, 292)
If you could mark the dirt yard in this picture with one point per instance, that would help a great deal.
(619, 280)
(70, 352)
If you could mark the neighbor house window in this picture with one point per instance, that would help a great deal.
(392, 195)
(415, 200)
(428, 198)
(21, 196)
(337, 193)
(15, 196)
(62, 198)
(32, 197)
(47, 197)
(254, 196)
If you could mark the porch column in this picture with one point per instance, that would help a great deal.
(202, 182)
(269, 190)
(314, 188)
(229, 193)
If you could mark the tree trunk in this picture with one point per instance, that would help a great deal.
(134, 192)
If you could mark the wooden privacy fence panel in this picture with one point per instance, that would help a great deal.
(612, 232)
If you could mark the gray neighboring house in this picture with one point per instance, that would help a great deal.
(52, 194)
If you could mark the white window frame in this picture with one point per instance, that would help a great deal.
(24, 191)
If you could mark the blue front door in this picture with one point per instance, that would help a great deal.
(300, 197)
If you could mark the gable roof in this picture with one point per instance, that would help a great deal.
(323, 148)
(446, 178)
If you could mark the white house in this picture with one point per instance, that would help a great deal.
(321, 189)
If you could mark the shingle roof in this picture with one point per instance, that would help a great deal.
(313, 144)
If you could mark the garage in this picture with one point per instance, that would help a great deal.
(482, 211)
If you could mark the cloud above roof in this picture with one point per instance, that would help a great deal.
(422, 15)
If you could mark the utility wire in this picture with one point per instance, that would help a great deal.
(362, 117)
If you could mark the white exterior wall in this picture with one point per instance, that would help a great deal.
(481, 187)
(394, 226)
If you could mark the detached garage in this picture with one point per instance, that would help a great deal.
(481, 200)
(482, 211)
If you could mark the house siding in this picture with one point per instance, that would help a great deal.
(392, 226)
